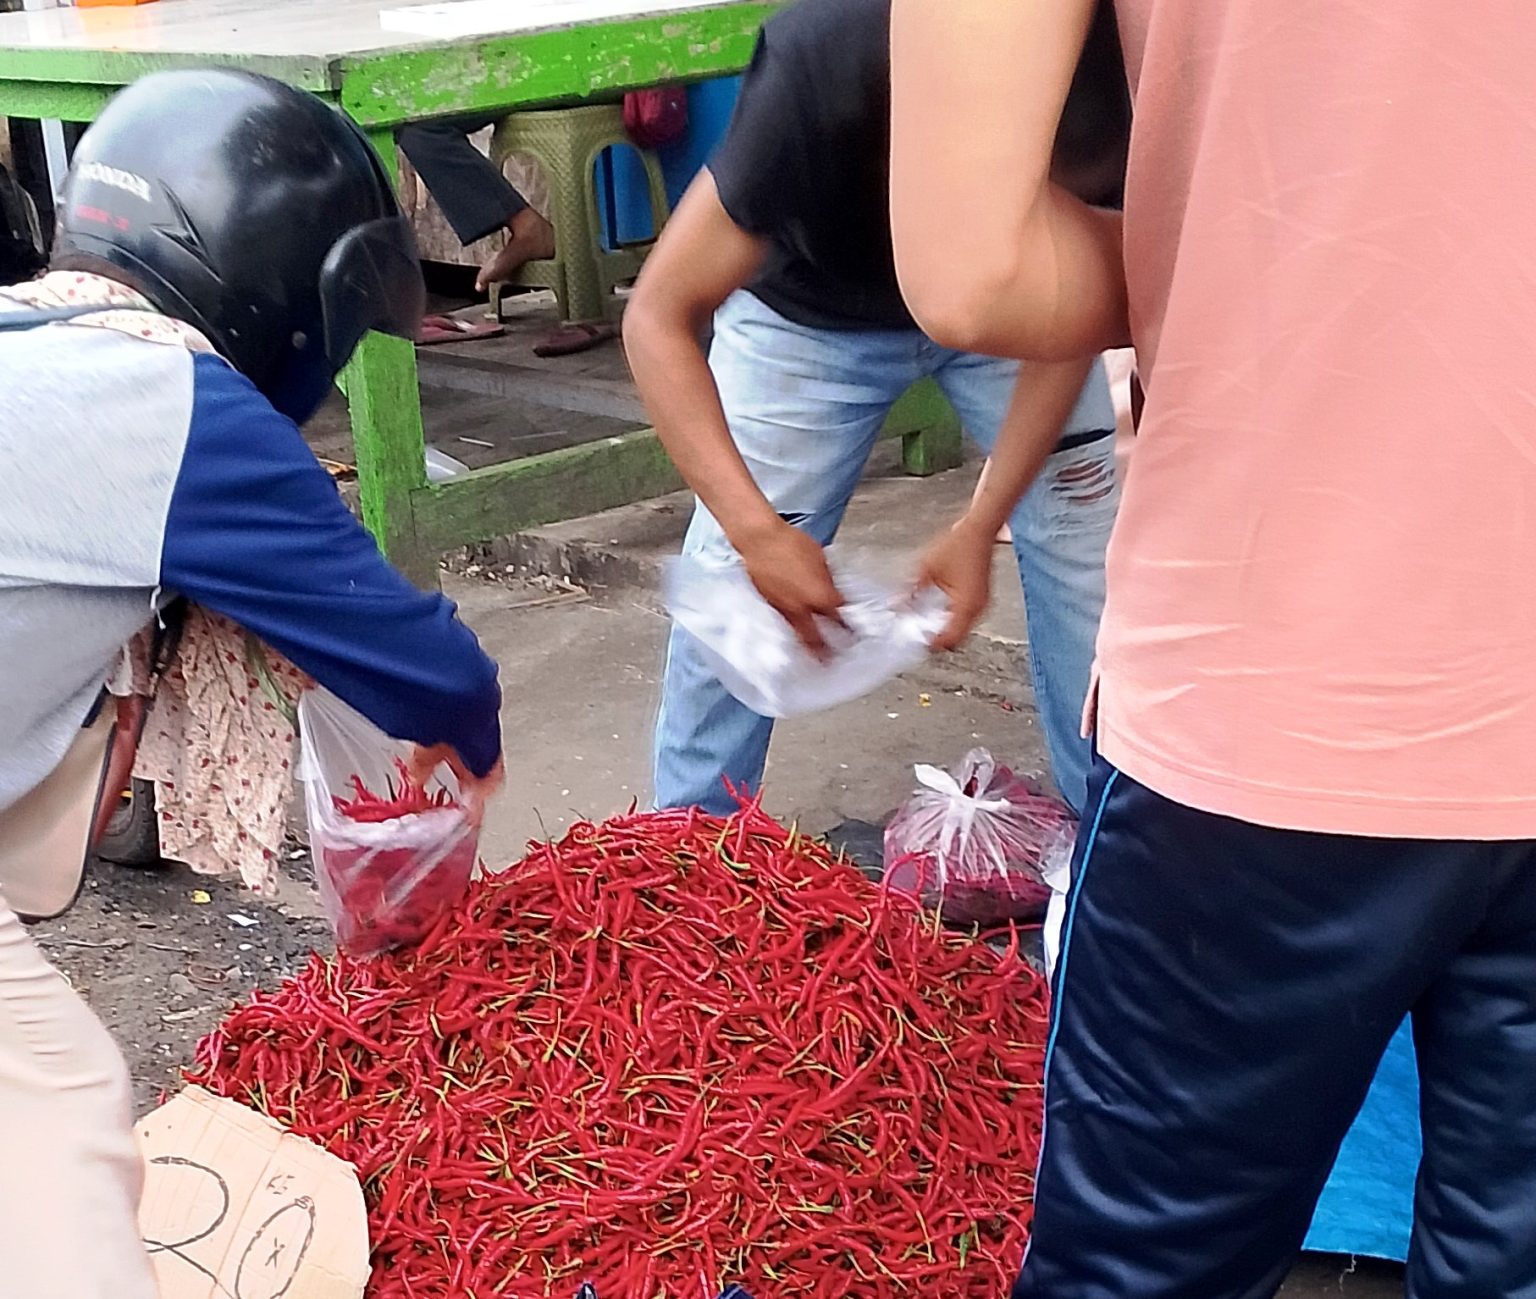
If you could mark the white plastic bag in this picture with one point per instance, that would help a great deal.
(973, 843)
(1057, 874)
(383, 882)
(758, 658)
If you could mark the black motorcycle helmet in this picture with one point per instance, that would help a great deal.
(251, 211)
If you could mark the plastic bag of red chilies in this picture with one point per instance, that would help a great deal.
(667, 1055)
(391, 856)
(974, 843)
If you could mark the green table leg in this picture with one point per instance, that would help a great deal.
(385, 404)
(933, 450)
(387, 440)
(931, 437)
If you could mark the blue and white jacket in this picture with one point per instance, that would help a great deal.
(131, 470)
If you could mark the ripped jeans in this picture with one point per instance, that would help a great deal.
(805, 407)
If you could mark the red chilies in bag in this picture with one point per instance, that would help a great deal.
(391, 856)
(974, 843)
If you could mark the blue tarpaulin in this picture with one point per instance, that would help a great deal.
(1367, 1206)
(627, 214)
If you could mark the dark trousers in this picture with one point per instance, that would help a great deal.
(475, 197)
(1223, 997)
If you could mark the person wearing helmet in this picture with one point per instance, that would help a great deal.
(224, 244)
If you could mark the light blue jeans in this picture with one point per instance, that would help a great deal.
(805, 407)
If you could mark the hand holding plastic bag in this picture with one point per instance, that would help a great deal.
(974, 843)
(759, 659)
(392, 853)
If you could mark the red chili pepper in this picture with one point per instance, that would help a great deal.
(665, 1053)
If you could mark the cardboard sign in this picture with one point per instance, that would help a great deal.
(236, 1208)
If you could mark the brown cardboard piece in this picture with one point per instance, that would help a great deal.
(234, 1207)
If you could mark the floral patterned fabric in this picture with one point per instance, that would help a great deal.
(219, 743)
(136, 316)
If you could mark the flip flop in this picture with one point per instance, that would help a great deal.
(572, 338)
(450, 329)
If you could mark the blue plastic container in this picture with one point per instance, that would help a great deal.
(624, 205)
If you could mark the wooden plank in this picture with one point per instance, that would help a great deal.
(540, 67)
(611, 398)
(265, 32)
(59, 101)
(113, 46)
(503, 499)
(385, 405)
(296, 40)
(929, 451)
(384, 402)
(922, 406)
(114, 69)
(931, 438)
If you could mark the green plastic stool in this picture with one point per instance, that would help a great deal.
(567, 143)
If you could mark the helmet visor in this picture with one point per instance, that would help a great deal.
(371, 280)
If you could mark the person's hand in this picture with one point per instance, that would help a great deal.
(959, 564)
(474, 791)
(789, 569)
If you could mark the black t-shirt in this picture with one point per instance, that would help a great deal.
(805, 163)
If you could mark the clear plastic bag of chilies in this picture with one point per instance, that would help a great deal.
(974, 843)
(391, 856)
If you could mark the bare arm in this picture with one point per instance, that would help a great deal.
(977, 92)
(1042, 400)
(701, 259)
(959, 562)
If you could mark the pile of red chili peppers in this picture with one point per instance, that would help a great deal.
(667, 1054)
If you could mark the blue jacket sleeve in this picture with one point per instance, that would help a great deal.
(257, 531)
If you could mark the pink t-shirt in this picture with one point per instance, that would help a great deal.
(1322, 609)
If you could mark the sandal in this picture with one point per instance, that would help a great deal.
(450, 329)
(572, 338)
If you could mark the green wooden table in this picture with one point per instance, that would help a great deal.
(376, 60)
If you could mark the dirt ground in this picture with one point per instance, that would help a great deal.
(161, 965)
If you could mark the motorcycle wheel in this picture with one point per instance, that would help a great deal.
(132, 836)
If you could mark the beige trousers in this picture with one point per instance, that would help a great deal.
(70, 1172)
